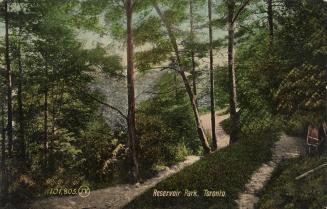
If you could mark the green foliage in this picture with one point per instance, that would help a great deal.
(281, 82)
(98, 58)
(254, 86)
(225, 124)
(254, 123)
(146, 59)
(221, 87)
(148, 31)
(227, 170)
(101, 153)
(165, 127)
(64, 149)
(158, 145)
(302, 39)
(97, 158)
(297, 124)
(283, 190)
(55, 73)
(283, 78)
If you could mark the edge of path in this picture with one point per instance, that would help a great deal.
(285, 148)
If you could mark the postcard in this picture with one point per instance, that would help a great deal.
(163, 104)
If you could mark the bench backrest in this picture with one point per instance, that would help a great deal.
(313, 132)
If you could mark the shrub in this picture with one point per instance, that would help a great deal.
(158, 145)
(101, 153)
(253, 123)
(166, 128)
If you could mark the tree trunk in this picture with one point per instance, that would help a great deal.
(20, 109)
(192, 50)
(270, 20)
(53, 125)
(232, 74)
(45, 112)
(54, 99)
(176, 86)
(188, 88)
(212, 84)
(9, 83)
(4, 187)
(198, 122)
(61, 99)
(3, 137)
(131, 94)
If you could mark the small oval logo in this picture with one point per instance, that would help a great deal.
(84, 191)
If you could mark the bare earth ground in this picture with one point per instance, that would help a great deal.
(287, 147)
(222, 137)
(119, 196)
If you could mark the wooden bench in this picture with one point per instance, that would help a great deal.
(315, 138)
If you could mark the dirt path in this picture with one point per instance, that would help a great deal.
(287, 147)
(119, 196)
(223, 138)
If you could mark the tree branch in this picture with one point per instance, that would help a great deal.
(101, 102)
(241, 10)
(107, 105)
(311, 171)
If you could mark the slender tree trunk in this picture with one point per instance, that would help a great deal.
(9, 83)
(3, 137)
(54, 115)
(45, 115)
(4, 187)
(270, 20)
(56, 110)
(192, 50)
(188, 88)
(20, 108)
(54, 99)
(176, 86)
(199, 126)
(131, 94)
(61, 99)
(212, 83)
(232, 74)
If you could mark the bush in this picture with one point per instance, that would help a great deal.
(253, 123)
(103, 154)
(158, 145)
(166, 128)
(93, 158)
(225, 124)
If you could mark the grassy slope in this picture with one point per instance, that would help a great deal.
(228, 170)
(283, 191)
